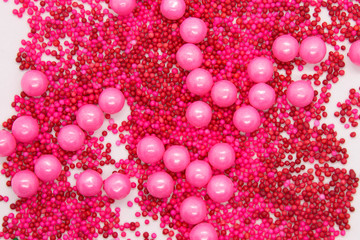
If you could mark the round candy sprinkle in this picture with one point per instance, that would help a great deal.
(193, 30)
(222, 156)
(122, 7)
(300, 93)
(220, 188)
(199, 81)
(203, 231)
(199, 114)
(189, 56)
(354, 52)
(111, 100)
(160, 185)
(25, 129)
(172, 9)
(25, 184)
(7, 143)
(285, 48)
(193, 210)
(34, 83)
(176, 158)
(47, 168)
(260, 69)
(312, 50)
(224, 93)
(90, 117)
(150, 149)
(71, 138)
(262, 96)
(246, 119)
(117, 186)
(198, 173)
(89, 183)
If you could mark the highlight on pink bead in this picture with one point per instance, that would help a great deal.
(199, 114)
(220, 188)
(222, 156)
(172, 9)
(193, 210)
(189, 56)
(354, 52)
(260, 69)
(247, 119)
(7, 143)
(89, 183)
(176, 158)
(224, 93)
(47, 168)
(285, 48)
(203, 231)
(193, 30)
(122, 7)
(25, 184)
(117, 186)
(160, 185)
(150, 149)
(198, 173)
(199, 81)
(312, 50)
(25, 129)
(90, 117)
(300, 93)
(262, 96)
(34, 83)
(111, 100)
(71, 138)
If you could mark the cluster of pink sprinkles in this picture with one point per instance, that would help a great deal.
(222, 142)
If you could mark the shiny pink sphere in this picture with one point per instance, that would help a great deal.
(34, 83)
(111, 100)
(25, 184)
(71, 138)
(47, 168)
(122, 7)
(224, 93)
(90, 117)
(300, 93)
(172, 9)
(203, 231)
(285, 48)
(199, 114)
(160, 185)
(354, 52)
(89, 183)
(247, 119)
(199, 81)
(260, 69)
(220, 188)
(189, 56)
(25, 129)
(7, 143)
(222, 156)
(262, 96)
(198, 173)
(193, 210)
(176, 158)
(117, 186)
(150, 149)
(193, 30)
(312, 50)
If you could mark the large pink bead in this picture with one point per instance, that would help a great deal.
(47, 168)
(199, 81)
(111, 100)
(224, 93)
(262, 96)
(222, 156)
(172, 9)
(199, 114)
(90, 117)
(160, 185)
(198, 173)
(354, 52)
(220, 188)
(25, 184)
(71, 138)
(203, 231)
(150, 149)
(7, 143)
(246, 119)
(189, 56)
(260, 69)
(300, 93)
(89, 183)
(312, 50)
(25, 129)
(117, 186)
(193, 30)
(285, 48)
(193, 210)
(176, 158)
(122, 7)
(34, 83)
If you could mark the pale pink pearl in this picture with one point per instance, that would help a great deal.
(222, 156)
(193, 30)
(199, 81)
(246, 119)
(203, 231)
(111, 100)
(198, 173)
(312, 50)
(34, 83)
(122, 7)
(89, 183)
(354, 52)
(176, 158)
(260, 69)
(220, 188)
(25, 184)
(150, 149)
(300, 93)
(7, 143)
(193, 210)
(117, 186)
(199, 114)
(285, 48)
(262, 96)
(224, 93)
(172, 9)
(25, 129)
(189, 56)
(71, 138)
(90, 117)
(47, 168)
(160, 185)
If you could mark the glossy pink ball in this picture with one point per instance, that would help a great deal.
(117, 186)
(198, 173)
(224, 93)
(203, 231)
(176, 158)
(300, 93)
(260, 69)
(312, 50)
(34, 83)
(199, 114)
(354, 52)
(90, 117)
(172, 9)
(247, 119)
(193, 30)
(160, 185)
(189, 56)
(150, 149)
(47, 168)
(111, 100)
(122, 7)
(199, 81)
(25, 129)
(193, 210)
(25, 184)
(285, 48)
(71, 138)
(262, 96)
(7, 143)
(220, 188)
(89, 183)
(222, 156)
